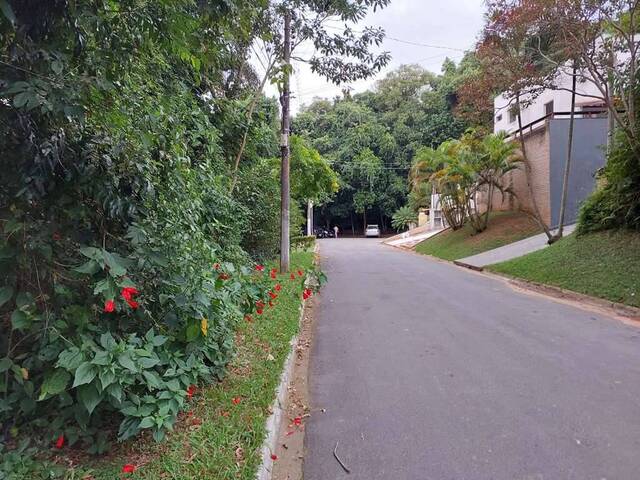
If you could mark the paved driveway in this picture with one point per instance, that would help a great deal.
(430, 371)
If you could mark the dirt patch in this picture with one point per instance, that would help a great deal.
(290, 441)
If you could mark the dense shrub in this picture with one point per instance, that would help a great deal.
(122, 267)
(616, 203)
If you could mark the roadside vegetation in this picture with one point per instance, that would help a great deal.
(139, 199)
(503, 228)
(221, 434)
(603, 264)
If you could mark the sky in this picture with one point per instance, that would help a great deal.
(445, 23)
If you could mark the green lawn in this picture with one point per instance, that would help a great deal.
(605, 265)
(206, 445)
(504, 228)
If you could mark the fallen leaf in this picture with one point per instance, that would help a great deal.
(239, 454)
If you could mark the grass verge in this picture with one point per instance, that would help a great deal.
(222, 439)
(605, 265)
(504, 228)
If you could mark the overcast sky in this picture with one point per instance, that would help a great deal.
(445, 23)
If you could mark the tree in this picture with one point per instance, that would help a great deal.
(494, 158)
(339, 57)
(408, 108)
(404, 217)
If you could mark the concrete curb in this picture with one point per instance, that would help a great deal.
(274, 421)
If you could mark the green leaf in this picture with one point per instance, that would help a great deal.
(115, 263)
(55, 382)
(5, 295)
(127, 362)
(153, 379)
(24, 299)
(89, 397)
(5, 364)
(148, 362)
(92, 253)
(90, 268)
(57, 66)
(102, 358)
(115, 390)
(107, 377)
(107, 341)
(19, 320)
(84, 374)
(193, 331)
(147, 422)
(70, 359)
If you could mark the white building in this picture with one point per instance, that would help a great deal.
(545, 120)
(550, 101)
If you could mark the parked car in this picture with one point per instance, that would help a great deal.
(372, 231)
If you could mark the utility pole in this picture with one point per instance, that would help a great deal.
(284, 149)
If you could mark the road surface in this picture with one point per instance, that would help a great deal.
(428, 371)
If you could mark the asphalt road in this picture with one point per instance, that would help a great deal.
(431, 372)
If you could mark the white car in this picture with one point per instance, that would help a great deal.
(372, 231)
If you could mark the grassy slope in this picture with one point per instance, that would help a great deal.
(605, 265)
(504, 228)
(209, 450)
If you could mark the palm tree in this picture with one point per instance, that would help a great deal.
(497, 157)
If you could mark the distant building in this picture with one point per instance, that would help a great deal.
(545, 125)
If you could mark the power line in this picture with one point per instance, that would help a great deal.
(408, 42)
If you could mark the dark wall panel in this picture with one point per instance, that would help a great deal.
(589, 142)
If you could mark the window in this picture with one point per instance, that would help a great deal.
(499, 118)
(513, 115)
(548, 108)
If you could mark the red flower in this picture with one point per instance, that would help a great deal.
(274, 457)
(191, 390)
(259, 268)
(216, 266)
(297, 421)
(271, 303)
(259, 311)
(278, 287)
(223, 276)
(236, 400)
(128, 468)
(300, 273)
(273, 295)
(248, 318)
(60, 442)
(307, 293)
(273, 272)
(292, 277)
(128, 293)
(109, 306)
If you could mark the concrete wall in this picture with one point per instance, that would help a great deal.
(589, 143)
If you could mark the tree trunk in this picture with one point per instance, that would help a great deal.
(284, 150)
(353, 229)
(364, 220)
(527, 167)
(567, 165)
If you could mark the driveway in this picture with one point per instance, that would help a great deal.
(428, 371)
